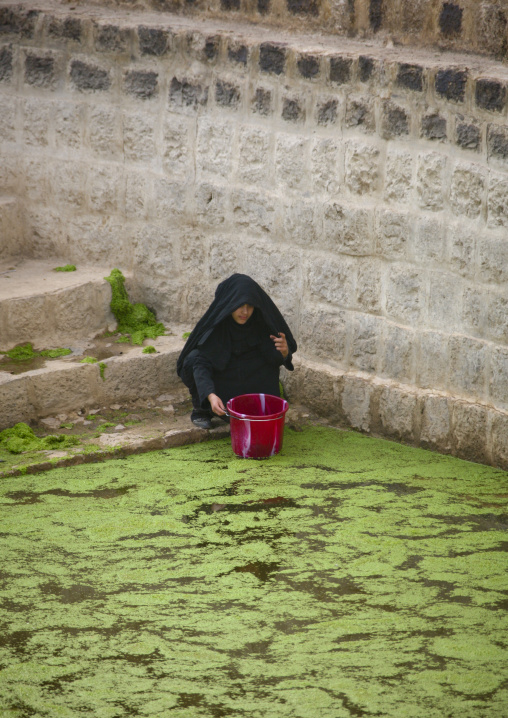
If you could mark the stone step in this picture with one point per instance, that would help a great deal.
(65, 385)
(52, 309)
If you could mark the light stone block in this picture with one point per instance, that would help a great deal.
(8, 121)
(254, 155)
(84, 310)
(15, 403)
(493, 256)
(405, 293)
(500, 440)
(461, 240)
(430, 181)
(498, 385)
(214, 148)
(139, 141)
(356, 397)
(323, 334)
(68, 183)
(105, 188)
(398, 184)
(321, 391)
(177, 148)
(11, 229)
(302, 225)
(433, 360)
(193, 248)
(398, 353)
(36, 186)
(43, 229)
(436, 423)
(362, 168)
(154, 250)
(168, 198)
(74, 388)
(467, 190)
(468, 367)
(397, 413)
(36, 122)
(497, 206)
(25, 314)
(69, 124)
(366, 333)
(429, 240)
(369, 285)
(332, 279)
(137, 194)
(9, 173)
(223, 258)
(497, 316)
(469, 426)
(278, 272)
(444, 302)
(99, 240)
(291, 164)
(325, 171)
(348, 229)
(211, 204)
(105, 132)
(475, 310)
(253, 210)
(393, 235)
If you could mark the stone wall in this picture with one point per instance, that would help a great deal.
(365, 187)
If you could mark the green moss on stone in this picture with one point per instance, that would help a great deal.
(21, 438)
(65, 268)
(25, 352)
(89, 360)
(136, 320)
(149, 350)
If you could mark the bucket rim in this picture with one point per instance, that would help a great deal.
(267, 417)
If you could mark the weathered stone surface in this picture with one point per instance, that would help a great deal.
(398, 176)
(137, 193)
(461, 241)
(188, 93)
(467, 189)
(223, 259)
(433, 363)
(300, 224)
(360, 113)
(210, 204)
(492, 29)
(474, 310)
(70, 28)
(490, 95)
(169, 198)
(211, 48)
(468, 135)
(468, 366)
(16, 403)
(238, 53)
(369, 286)
(323, 334)
(18, 21)
(397, 356)
(493, 257)
(451, 84)
(111, 38)
(303, 7)
(153, 41)
(142, 84)
(497, 206)
(500, 440)
(394, 234)
(366, 332)
(253, 210)
(98, 241)
(433, 126)
(396, 120)
(331, 280)
(498, 386)
(405, 293)
(497, 317)
(355, 398)
(293, 109)
(320, 390)
(497, 142)
(365, 68)
(40, 70)
(68, 184)
(444, 300)
(35, 180)
(430, 180)
(214, 147)
(69, 124)
(177, 158)
(410, 77)
(85, 76)
(227, 94)
(139, 136)
(324, 165)
(254, 146)
(6, 60)
(308, 66)
(291, 161)
(340, 69)
(436, 423)
(469, 425)
(429, 241)
(397, 413)
(450, 19)
(272, 58)
(327, 111)
(8, 122)
(347, 229)
(104, 131)
(362, 165)
(262, 102)
(36, 122)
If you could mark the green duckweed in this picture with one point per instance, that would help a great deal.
(135, 320)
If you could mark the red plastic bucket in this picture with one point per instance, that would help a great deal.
(257, 425)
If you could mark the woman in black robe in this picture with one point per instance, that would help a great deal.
(237, 347)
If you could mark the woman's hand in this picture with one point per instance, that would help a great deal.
(216, 404)
(281, 344)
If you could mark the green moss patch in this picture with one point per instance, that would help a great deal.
(65, 268)
(21, 438)
(135, 320)
(25, 352)
(149, 350)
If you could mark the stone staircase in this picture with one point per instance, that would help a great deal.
(69, 309)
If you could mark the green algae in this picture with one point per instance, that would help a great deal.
(25, 352)
(66, 268)
(149, 350)
(102, 370)
(88, 360)
(21, 438)
(346, 576)
(135, 320)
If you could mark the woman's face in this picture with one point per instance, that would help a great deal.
(243, 313)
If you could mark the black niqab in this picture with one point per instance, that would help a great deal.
(231, 294)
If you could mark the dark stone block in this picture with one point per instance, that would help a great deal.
(70, 28)
(211, 49)
(395, 120)
(187, 94)
(376, 14)
(18, 22)
(39, 70)
(365, 67)
(468, 135)
(292, 110)
(308, 66)
(89, 77)
(303, 7)
(238, 54)
(263, 6)
(451, 84)
(111, 38)
(6, 58)
(450, 19)
(230, 4)
(153, 41)
(340, 70)
(262, 102)
(410, 76)
(490, 95)
(272, 58)
(497, 142)
(226, 94)
(434, 127)
(141, 84)
(359, 114)
(327, 112)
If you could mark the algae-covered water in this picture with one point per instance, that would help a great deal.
(347, 576)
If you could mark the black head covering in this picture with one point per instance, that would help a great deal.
(231, 294)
